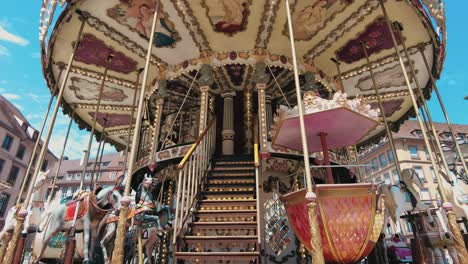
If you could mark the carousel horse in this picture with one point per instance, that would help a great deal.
(148, 214)
(32, 220)
(404, 197)
(92, 208)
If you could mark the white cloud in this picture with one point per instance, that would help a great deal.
(10, 37)
(11, 96)
(4, 51)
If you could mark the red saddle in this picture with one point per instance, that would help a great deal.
(82, 210)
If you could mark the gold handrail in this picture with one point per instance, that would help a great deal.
(195, 145)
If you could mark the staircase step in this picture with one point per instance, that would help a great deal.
(220, 239)
(224, 213)
(231, 174)
(218, 256)
(224, 225)
(225, 203)
(217, 168)
(230, 185)
(220, 188)
(222, 180)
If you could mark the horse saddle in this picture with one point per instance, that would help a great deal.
(71, 208)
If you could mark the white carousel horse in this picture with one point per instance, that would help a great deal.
(400, 195)
(32, 220)
(92, 209)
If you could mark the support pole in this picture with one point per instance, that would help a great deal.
(20, 220)
(338, 69)
(70, 251)
(396, 161)
(459, 243)
(118, 253)
(316, 241)
(99, 153)
(59, 166)
(326, 157)
(444, 111)
(132, 113)
(38, 140)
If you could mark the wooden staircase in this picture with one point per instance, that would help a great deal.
(224, 229)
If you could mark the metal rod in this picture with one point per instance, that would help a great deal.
(118, 253)
(317, 253)
(430, 124)
(38, 140)
(91, 135)
(101, 140)
(130, 125)
(459, 243)
(59, 166)
(337, 63)
(18, 227)
(326, 156)
(444, 111)
(396, 161)
(93, 185)
(180, 109)
(279, 87)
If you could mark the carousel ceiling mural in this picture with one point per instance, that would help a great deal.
(232, 36)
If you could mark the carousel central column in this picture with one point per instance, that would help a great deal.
(205, 81)
(228, 123)
(261, 79)
(269, 114)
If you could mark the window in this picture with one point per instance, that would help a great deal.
(409, 228)
(387, 179)
(434, 176)
(378, 180)
(69, 176)
(106, 163)
(73, 190)
(383, 160)
(426, 152)
(391, 158)
(446, 135)
(417, 133)
(64, 192)
(396, 179)
(13, 175)
(121, 163)
(368, 170)
(426, 196)
(7, 141)
(88, 176)
(375, 165)
(419, 171)
(20, 152)
(112, 175)
(4, 198)
(45, 163)
(78, 176)
(2, 162)
(413, 152)
(389, 230)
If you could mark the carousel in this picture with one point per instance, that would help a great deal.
(254, 112)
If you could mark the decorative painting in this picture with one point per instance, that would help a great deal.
(386, 78)
(227, 16)
(312, 16)
(137, 15)
(112, 120)
(390, 107)
(88, 90)
(377, 36)
(94, 51)
(236, 73)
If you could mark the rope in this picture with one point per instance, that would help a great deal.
(180, 109)
(279, 87)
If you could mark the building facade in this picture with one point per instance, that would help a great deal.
(105, 174)
(412, 154)
(17, 139)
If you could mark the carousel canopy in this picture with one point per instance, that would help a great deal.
(232, 36)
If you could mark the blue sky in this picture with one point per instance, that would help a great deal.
(22, 83)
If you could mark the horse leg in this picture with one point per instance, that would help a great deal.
(86, 238)
(110, 232)
(51, 231)
(150, 243)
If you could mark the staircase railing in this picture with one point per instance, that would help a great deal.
(192, 171)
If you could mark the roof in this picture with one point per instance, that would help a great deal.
(410, 128)
(74, 165)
